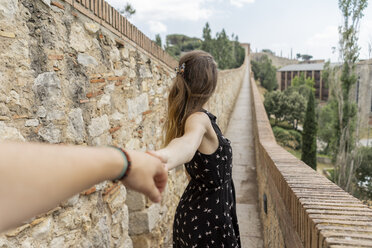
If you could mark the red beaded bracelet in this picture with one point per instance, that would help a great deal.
(126, 169)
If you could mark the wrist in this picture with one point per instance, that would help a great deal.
(125, 164)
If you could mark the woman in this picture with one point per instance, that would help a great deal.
(206, 213)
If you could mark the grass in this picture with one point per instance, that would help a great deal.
(296, 153)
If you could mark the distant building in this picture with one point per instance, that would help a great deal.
(361, 91)
(286, 74)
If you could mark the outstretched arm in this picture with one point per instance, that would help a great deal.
(37, 177)
(181, 150)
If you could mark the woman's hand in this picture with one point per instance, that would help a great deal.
(147, 175)
(162, 155)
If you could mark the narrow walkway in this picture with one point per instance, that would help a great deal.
(240, 133)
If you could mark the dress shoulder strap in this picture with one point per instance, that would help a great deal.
(210, 115)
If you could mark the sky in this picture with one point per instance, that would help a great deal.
(284, 26)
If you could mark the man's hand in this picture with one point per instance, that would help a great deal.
(147, 175)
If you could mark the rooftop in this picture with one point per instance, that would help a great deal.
(303, 67)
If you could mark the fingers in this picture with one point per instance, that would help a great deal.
(154, 193)
(148, 175)
(158, 155)
(161, 178)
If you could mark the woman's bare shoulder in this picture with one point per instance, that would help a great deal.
(198, 117)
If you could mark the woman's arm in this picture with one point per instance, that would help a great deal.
(181, 150)
(37, 177)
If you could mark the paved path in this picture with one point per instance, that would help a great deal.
(239, 132)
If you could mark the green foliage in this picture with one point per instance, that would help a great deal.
(309, 134)
(265, 72)
(268, 51)
(227, 53)
(345, 151)
(304, 57)
(302, 85)
(294, 107)
(326, 131)
(364, 174)
(158, 40)
(273, 104)
(289, 106)
(223, 50)
(178, 43)
(127, 11)
(326, 74)
(289, 138)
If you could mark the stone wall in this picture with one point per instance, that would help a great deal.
(298, 206)
(277, 61)
(71, 74)
(364, 72)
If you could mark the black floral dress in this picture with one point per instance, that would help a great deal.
(206, 214)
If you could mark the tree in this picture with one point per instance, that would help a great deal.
(207, 37)
(128, 11)
(364, 174)
(326, 131)
(274, 105)
(294, 107)
(158, 40)
(304, 57)
(177, 43)
(227, 53)
(265, 72)
(345, 153)
(268, 51)
(223, 54)
(308, 154)
(239, 52)
(302, 85)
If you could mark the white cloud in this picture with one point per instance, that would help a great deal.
(326, 38)
(365, 38)
(157, 27)
(321, 43)
(158, 10)
(240, 3)
(163, 11)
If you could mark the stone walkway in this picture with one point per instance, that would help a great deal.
(239, 132)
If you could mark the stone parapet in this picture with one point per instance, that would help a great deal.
(299, 207)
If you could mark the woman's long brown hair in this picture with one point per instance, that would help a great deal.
(191, 89)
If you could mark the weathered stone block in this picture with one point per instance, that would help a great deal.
(99, 125)
(102, 140)
(76, 125)
(47, 87)
(91, 27)
(143, 221)
(137, 105)
(136, 201)
(9, 133)
(42, 230)
(8, 9)
(32, 123)
(79, 39)
(141, 241)
(50, 133)
(57, 242)
(41, 112)
(86, 60)
(105, 100)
